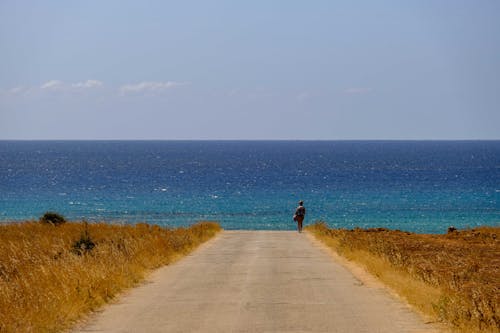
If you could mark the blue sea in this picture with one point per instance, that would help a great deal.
(420, 186)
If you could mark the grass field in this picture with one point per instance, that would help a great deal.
(52, 275)
(454, 278)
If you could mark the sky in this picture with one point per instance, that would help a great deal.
(246, 70)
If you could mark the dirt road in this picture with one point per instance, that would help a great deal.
(257, 281)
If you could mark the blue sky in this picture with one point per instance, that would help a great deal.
(250, 70)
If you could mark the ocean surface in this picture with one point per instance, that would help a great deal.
(420, 186)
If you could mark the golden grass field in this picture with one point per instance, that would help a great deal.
(453, 278)
(52, 275)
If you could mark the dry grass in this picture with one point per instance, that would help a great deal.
(454, 278)
(47, 283)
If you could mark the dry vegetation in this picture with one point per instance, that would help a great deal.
(50, 275)
(454, 277)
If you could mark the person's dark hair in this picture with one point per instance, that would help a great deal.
(301, 202)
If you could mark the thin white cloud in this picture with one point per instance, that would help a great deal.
(63, 86)
(15, 91)
(149, 86)
(357, 91)
(52, 85)
(233, 92)
(304, 96)
(252, 94)
(87, 84)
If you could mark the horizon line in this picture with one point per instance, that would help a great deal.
(243, 140)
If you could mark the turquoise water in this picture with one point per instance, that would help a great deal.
(421, 186)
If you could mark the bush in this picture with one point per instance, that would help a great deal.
(52, 218)
(85, 244)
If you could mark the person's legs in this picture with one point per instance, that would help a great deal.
(299, 223)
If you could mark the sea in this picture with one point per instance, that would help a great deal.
(417, 186)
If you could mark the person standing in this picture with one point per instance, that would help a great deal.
(299, 215)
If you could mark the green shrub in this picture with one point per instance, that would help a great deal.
(52, 218)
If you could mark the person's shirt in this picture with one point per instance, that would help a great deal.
(300, 211)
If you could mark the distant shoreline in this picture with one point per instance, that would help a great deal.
(119, 222)
(250, 140)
